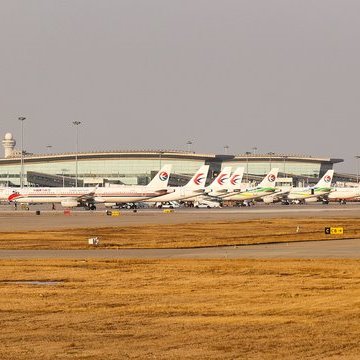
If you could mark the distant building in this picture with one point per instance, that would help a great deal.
(9, 145)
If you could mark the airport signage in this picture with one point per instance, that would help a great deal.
(334, 230)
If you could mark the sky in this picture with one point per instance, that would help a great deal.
(279, 75)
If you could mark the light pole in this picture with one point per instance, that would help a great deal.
(285, 157)
(247, 165)
(357, 168)
(226, 149)
(76, 123)
(254, 150)
(270, 158)
(189, 143)
(22, 119)
(48, 148)
(160, 154)
(63, 176)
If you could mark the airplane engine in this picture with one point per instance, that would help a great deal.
(69, 203)
(268, 199)
(110, 205)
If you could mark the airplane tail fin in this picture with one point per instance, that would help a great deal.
(326, 180)
(161, 179)
(270, 179)
(220, 180)
(198, 181)
(235, 180)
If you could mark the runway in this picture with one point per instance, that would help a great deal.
(11, 220)
(335, 249)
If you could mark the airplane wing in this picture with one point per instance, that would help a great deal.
(89, 196)
(222, 191)
(199, 191)
(282, 192)
(164, 191)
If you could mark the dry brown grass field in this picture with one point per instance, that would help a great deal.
(184, 235)
(180, 309)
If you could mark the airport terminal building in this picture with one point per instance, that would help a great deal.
(138, 167)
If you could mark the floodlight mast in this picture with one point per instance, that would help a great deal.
(22, 119)
(76, 123)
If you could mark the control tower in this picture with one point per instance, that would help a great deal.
(9, 145)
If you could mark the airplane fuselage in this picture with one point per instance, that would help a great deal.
(251, 194)
(45, 195)
(344, 193)
(128, 194)
(179, 193)
(84, 194)
(306, 193)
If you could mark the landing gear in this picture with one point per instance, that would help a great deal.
(90, 207)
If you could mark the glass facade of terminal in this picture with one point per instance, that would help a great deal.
(128, 171)
(287, 167)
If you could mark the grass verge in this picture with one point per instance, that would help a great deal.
(184, 235)
(180, 309)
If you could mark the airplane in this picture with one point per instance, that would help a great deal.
(88, 198)
(266, 187)
(232, 184)
(343, 194)
(223, 184)
(194, 187)
(312, 193)
(216, 188)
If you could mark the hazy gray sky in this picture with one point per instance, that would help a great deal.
(281, 75)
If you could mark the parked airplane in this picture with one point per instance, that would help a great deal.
(266, 187)
(320, 190)
(194, 187)
(343, 194)
(223, 184)
(82, 196)
(217, 187)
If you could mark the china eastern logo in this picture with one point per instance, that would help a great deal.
(327, 178)
(221, 180)
(163, 176)
(235, 179)
(199, 179)
(13, 196)
(271, 177)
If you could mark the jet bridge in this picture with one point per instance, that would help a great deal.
(41, 179)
